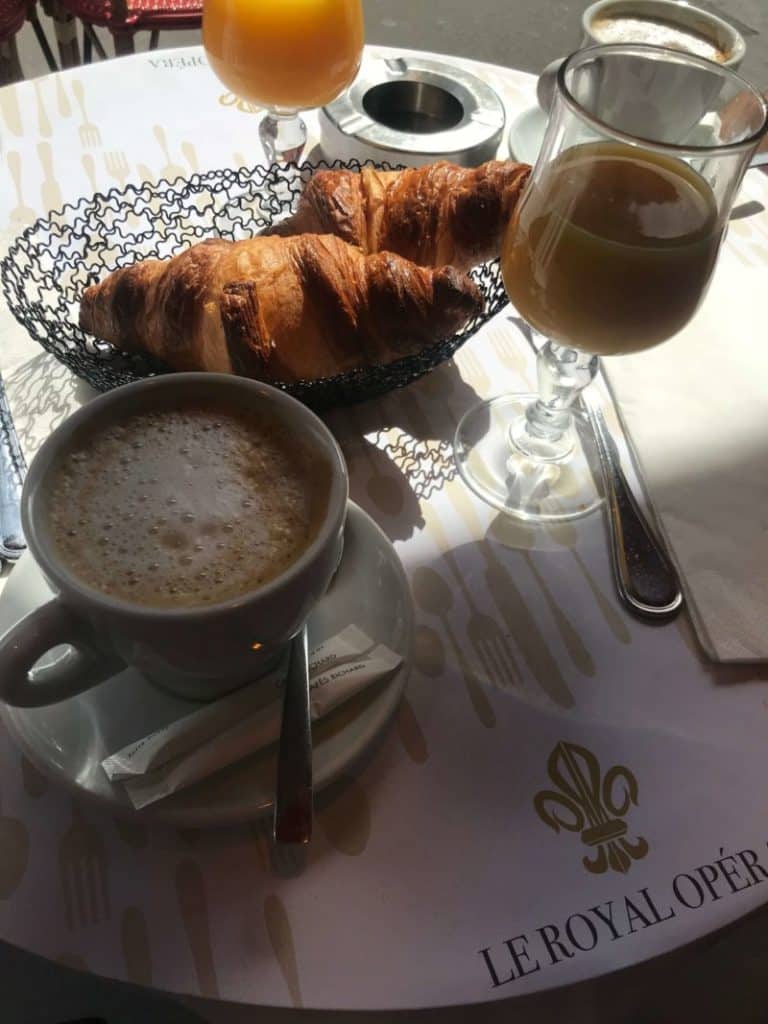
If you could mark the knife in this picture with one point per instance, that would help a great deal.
(646, 579)
(12, 472)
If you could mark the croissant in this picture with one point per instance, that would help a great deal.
(435, 215)
(283, 309)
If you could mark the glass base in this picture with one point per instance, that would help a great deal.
(534, 490)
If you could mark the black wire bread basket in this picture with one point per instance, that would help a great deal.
(49, 266)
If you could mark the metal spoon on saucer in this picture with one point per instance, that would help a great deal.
(293, 791)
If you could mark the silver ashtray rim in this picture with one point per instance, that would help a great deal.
(475, 136)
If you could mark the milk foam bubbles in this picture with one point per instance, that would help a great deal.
(186, 507)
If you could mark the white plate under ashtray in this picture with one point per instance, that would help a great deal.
(526, 134)
(69, 740)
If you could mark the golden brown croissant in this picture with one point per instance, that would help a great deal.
(435, 215)
(278, 308)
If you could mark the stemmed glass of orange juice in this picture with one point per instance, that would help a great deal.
(285, 55)
(609, 251)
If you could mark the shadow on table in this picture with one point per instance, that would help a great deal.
(44, 393)
(399, 447)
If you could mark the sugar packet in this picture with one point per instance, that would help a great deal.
(225, 731)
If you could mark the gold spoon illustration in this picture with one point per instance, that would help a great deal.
(193, 904)
(43, 123)
(14, 854)
(61, 98)
(410, 733)
(345, 817)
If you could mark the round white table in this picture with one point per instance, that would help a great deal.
(434, 880)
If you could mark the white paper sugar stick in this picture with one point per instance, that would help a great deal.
(219, 734)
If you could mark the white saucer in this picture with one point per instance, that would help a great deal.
(526, 134)
(69, 740)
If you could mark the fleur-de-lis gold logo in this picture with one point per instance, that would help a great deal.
(228, 99)
(594, 805)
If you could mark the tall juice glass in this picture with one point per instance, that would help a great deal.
(285, 55)
(609, 251)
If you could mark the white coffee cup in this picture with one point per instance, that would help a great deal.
(682, 15)
(198, 652)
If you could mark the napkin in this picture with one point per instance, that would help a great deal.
(227, 730)
(696, 410)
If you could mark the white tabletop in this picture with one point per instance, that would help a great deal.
(440, 882)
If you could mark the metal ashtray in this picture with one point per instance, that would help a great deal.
(412, 111)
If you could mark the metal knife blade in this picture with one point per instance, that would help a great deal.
(12, 471)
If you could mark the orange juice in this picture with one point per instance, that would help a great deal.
(284, 54)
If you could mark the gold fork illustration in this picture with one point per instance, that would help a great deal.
(117, 167)
(89, 132)
(83, 873)
(486, 636)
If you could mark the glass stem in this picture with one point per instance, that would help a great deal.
(545, 433)
(283, 136)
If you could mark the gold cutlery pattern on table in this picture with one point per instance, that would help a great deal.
(83, 873)
(9, 108)
(116, 166)
(134, 939)
(281, 940)
(434, 596)
(192, 899)
(477, 616)
(14, 854)
(410, 733)
(344, 816)
(21, 213)
(49, 190)
(170, 171)
(90, 135)
(43, 122)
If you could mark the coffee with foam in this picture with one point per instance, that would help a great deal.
(188, 506)
(625, 28)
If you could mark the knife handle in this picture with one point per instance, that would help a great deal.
(646, 579)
